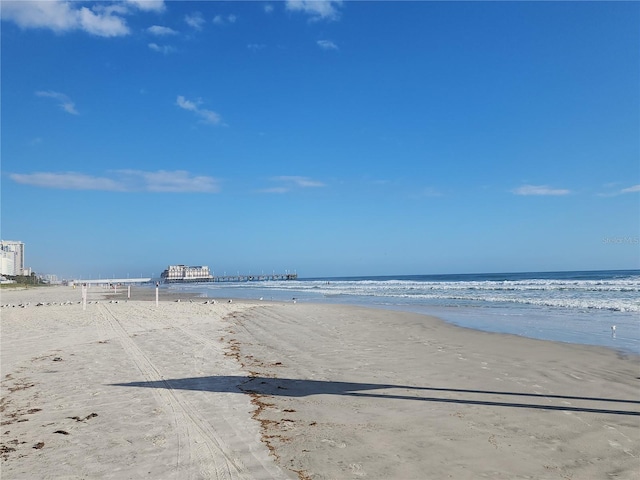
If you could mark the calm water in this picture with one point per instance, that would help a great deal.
(576, 307)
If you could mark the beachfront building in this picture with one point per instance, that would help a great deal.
(183, 273)
(11, 258)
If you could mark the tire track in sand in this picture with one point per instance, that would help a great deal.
(194, 436)
(163, 321)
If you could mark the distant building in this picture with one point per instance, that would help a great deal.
(49, 278)
(12, 258)
(184, 273)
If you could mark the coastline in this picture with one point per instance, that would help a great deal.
(282, 390)
(570, 307)
(349, 392)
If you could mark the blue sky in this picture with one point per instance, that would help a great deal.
(326, 138)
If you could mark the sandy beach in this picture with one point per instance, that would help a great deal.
(265, 390)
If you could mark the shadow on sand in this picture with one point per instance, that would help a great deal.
(301, 388)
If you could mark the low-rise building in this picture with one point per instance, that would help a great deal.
(184, 273)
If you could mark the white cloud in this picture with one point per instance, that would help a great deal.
(327, 45)
(540, 190)
(165, 49)
(209, 116)
(303, 182)
(633, 189)
(613, 190)
(63, 101)
(220, 20)
(195, 20)
(186, 104)
(256, 46)
(148, 5)
(66, 181)
(268, 8)
(316, 9)
(58, 16)
(64, 16)
(178, 181)
(289, 183)
(163, 181)
(275, 190)
(161, 31)
(110, 8)
(102, 25)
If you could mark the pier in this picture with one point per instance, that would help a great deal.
(234, 278)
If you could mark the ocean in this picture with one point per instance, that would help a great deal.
(574, 307)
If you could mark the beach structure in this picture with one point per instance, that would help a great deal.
(185, 274)
(109, 281)
(11, 258)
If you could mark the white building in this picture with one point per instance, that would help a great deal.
(11, 258)
(185, 273)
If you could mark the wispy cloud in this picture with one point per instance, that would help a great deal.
(275, 190)
(148, 5)
(633, 189)
(303, 182)
(542, 190)
(268, 8)
(256, 46)
(66, 181)
(208, 116)
(429, 192)
(327, 45)
(195, 20)
(222, 20)
(63, 101)
(178, 181)
(65, 16)
(165, 49)
(160, 31)
(289, 183)
(163, 181)
(316, 9)
(619, 191)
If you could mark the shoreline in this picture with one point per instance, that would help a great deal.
(413, 393)
(147, 293)
(586, 318)
(256, 390)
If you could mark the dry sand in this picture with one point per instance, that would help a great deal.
(67, 411)
(264, 390)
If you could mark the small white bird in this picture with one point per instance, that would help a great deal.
(613, 329)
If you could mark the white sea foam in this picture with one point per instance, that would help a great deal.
(614, 295)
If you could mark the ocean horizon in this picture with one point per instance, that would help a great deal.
(581, 307)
